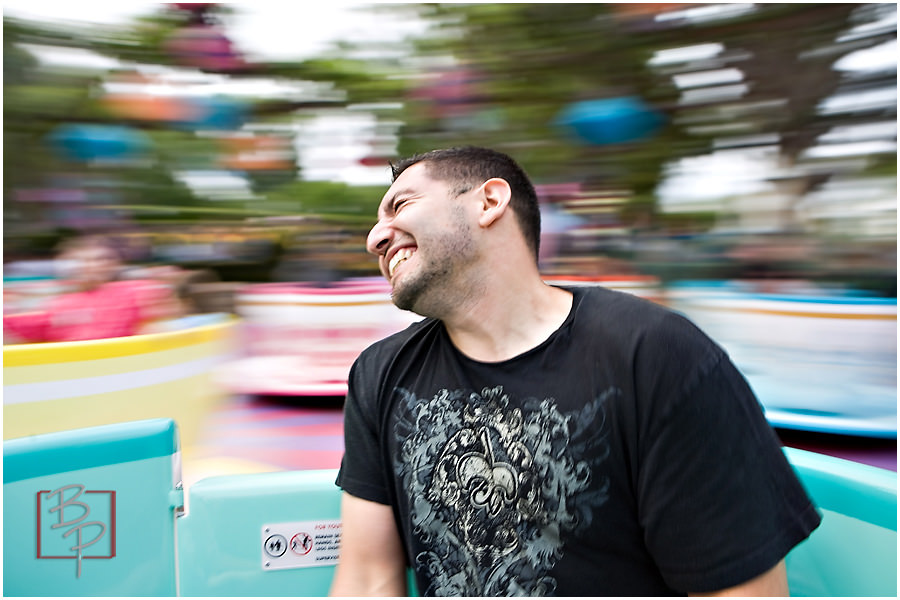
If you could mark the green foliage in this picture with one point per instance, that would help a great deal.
(526, 61)
(531, 60)
(360, 80)
(327, 198)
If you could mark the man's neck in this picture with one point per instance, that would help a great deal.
(508, 320)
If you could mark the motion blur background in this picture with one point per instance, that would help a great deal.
(760, 139)
(712, 142)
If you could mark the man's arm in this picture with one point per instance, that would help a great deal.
(771, 583)
(372, 561)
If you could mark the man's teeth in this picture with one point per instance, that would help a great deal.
(399, 258)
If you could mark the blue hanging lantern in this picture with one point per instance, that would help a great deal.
(610, 120)
(87, 142)
(221, 113)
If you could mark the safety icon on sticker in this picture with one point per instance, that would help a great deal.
(312, 544)
(301, 544)
(276, 545)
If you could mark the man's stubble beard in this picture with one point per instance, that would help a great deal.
(431, 291)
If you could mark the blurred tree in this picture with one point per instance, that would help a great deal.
(513, 67)
(488, 73)
(41, 99)
(38, 99)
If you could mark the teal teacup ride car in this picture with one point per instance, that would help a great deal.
(100, 512)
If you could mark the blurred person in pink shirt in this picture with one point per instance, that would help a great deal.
(99, 306)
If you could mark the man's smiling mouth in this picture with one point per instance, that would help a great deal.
(398, 258)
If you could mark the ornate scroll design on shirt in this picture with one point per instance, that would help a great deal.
(495, 486)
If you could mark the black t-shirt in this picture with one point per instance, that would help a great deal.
(624, 455)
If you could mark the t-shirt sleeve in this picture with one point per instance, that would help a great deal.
(361, 473)
(718, 501)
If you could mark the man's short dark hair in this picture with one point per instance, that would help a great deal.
(466, 167)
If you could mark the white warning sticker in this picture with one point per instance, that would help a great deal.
(300, 544)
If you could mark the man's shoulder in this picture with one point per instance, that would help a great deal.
(388, 347)
(621, 316)
(619, 307)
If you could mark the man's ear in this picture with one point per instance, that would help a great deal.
(495, 196)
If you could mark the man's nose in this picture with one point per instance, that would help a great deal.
(379, 238)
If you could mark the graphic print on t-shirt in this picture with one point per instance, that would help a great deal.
(495, 485)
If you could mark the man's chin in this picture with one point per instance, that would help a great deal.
(405, 298)
(421, 294)
(402, 301)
